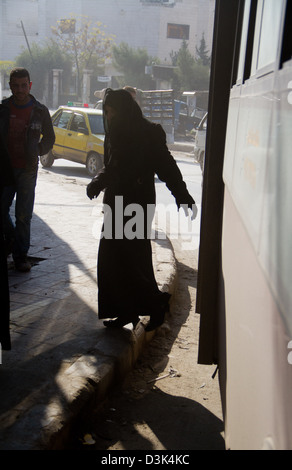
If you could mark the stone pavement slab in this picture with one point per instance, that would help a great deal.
(63, 359)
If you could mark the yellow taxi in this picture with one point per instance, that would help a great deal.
(79, 138)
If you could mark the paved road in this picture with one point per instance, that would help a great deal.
(76, 174)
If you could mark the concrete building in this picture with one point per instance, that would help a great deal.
(156, 25)
(159, 26)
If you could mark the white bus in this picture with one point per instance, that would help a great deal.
(245, 260)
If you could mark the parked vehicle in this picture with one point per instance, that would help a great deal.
(79, 138)
(200, 141)
(98, 105)
(186, 121)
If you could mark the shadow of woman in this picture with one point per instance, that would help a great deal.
(141, 416)
(176, 423)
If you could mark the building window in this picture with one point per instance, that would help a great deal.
(178, 31)
(161, 2)
(151, 1)
(67, 26)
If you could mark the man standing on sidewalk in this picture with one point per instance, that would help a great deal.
(26, 131)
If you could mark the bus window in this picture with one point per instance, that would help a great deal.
(268, 27)
(247, 37)
(287, 36)
(243, 42)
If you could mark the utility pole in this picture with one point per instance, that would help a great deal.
(27, 43)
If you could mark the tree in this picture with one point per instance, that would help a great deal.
(40, 61)
(190, 73)
(203, 53)
(131, 63)
(86, 44)
(6, 66)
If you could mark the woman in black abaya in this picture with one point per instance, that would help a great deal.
(134, 151)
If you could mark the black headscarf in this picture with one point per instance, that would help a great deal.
(128, 115)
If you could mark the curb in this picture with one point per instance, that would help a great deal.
(186, 147)
(84, 384)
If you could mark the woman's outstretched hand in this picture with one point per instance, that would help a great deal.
(186, 204)
(93, 189)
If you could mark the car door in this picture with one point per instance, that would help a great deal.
(202, 133)
(76, 140)
(60, 123)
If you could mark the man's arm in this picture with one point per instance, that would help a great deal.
(48, 134)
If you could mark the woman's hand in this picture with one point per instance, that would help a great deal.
(187, 202)
(93, 189)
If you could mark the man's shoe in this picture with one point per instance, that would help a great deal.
(22, 264)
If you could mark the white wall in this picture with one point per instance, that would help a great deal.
(132, 21)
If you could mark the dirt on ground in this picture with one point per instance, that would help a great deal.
(168, 402)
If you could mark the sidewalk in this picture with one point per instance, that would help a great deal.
(183, 146)
(63, 359)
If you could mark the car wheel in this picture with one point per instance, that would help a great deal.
(93, 163)
(47, 160)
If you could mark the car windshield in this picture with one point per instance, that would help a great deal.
(96, 123)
